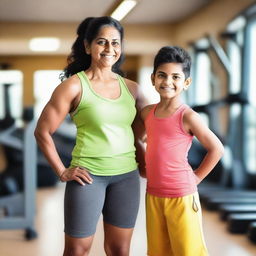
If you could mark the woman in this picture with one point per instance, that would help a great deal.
(103, 175)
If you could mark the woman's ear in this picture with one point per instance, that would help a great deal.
(153, 79)
(87, 48)
(187, 83)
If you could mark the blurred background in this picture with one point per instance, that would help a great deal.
(35, 40)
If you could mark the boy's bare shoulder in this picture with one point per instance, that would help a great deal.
(192, 121)
(190, 115)
(145, 111)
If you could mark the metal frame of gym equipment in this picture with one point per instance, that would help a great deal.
(26, 199)
(232, 164)
(237, 204)
(210, 109)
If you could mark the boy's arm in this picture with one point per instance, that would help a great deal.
(194, 125)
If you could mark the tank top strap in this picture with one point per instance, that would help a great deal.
(84, 91)
(182, 109)
(151, 113)
(124, 89)
(181, 113)
(85, 84)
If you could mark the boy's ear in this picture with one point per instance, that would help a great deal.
(87, 48)
(153, 79)
(187, 83)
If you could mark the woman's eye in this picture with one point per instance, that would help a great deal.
(101, 42)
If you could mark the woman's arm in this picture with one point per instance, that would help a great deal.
(194, 125)
(138, 125)
(142, 115)
(63, 100)
(139, 136)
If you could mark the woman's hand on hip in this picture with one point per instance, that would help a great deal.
(78, 174)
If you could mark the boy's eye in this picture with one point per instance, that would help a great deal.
(160, 75)
(115, 43)
(176, 77)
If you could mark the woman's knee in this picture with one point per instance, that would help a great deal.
(117, 249)
(77, 246)
(75, 251)
(117, 240)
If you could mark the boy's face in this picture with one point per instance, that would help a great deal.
(169, 80)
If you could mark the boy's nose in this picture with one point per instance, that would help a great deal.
(168, 80)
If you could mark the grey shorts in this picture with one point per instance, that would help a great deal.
(116, 197)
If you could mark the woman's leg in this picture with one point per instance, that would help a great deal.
(120, 213)
(117, 240)
(83, 206)
(77, 246)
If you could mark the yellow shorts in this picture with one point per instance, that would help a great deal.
(174, 226)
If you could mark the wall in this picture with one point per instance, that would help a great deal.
(211, 19)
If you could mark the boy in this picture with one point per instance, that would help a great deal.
(172, 204)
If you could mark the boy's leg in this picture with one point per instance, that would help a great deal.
(157, 232)
(185, 226)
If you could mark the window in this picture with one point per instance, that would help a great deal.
(252, 63)
(45, 81)
(146, 84)
(234, 46)
(200, 91)
(15, 91)
(249, 81)
(250, 138)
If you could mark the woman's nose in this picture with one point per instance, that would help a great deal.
(108, 47)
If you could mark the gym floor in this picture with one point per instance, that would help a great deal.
(49, 225)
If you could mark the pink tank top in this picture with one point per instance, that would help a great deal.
(168, 171)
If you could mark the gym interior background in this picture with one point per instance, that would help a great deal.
(221, 37)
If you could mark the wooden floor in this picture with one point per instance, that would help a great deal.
(49, 225)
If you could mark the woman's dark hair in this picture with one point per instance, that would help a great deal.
(173, 54)
(88, 30)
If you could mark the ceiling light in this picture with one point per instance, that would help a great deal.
(44, 44)
(122, 9)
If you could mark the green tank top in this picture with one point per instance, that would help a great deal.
(105, 140)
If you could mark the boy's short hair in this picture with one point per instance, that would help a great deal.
(173, 54)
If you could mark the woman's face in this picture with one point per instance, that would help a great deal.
(105, 49)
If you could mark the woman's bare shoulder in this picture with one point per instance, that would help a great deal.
(138, 94)
(132, 86)
(70, 87)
